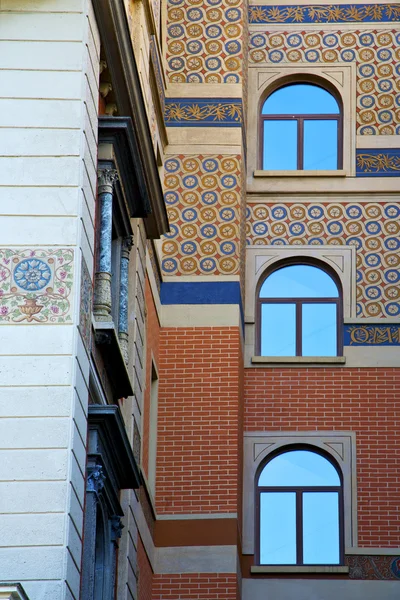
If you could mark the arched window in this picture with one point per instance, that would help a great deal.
(299, 312)
(301, 129)
(300, 510)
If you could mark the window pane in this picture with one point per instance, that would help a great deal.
(320, 145)
(300, 99)
(280, 145)
(278, 528)
(321, 528)
(278, 330)
(299, 281)
(319, 330)
(299, 468)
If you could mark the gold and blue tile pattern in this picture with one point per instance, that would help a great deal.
(204, 201)
(375, 53)
(371, 227)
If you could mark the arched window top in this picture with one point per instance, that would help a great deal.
(300, 99)
(299, 281)
(301, 129)
(299, 468)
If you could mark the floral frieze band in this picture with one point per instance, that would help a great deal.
(373, 567)
(333, 13)
(193, 112)
(378, 163)
(372, 335)
(35, 285)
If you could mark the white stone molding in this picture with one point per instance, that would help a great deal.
(341, 259)
(264, 79)
(341, 445)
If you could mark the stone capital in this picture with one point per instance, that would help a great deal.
(116, 527)
(95, 479)
(106, 179)
(126, 247)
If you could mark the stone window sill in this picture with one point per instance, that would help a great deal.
(333, 360)
(333, 173)
(334, 570)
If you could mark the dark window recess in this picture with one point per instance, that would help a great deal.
(111, 466)
(299, 507)
(299, 311)
(301, 129)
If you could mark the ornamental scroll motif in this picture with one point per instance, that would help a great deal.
(347, 13)
(372, 335)
(196, 112)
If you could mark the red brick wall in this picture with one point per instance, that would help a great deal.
(152, 349)
(145, 583)
(197, 457)
(366, 401)
(200, 586)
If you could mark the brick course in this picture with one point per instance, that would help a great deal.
(152, 350)
(198, 439)
(196, 586)
(363, 400)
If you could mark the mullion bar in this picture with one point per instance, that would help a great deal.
(299, 144)
(299, 329)
(299, 528)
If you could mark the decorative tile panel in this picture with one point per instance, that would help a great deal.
(36, 285)
(375, 53)
(346, 13)
(203, 197)
(371, 227)
(204, 41)
(378, 163)
(85, 310)
(157, 70)
(371, 335)
(373, 567)
(200, 112)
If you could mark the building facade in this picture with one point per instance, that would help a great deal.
(199, 300)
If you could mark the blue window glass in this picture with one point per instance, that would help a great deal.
(278, 334)
(320, 145)
(299, 468)
(299, 309)
(300, 99)
(299, 281)
(300, 129)
(319, 331)
(300, 499)
(278, 528)
(321, 528)
(280, 145)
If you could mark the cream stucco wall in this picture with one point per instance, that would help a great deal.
(49, 62)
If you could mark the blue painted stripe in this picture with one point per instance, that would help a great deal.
(202, 292)
(198, 112)
(328, 13)
(378, 162)
(371, 335)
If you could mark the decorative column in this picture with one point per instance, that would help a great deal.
(102, 280)
(94, 485)
(126, 247)
(116, 532)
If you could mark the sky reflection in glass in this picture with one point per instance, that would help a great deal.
(278, 330)
(319, 332)
(280, 145)
(321, 528)
(299, 281)
(300, 99)
(299, 468)
(278, 528)
(320, 145)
